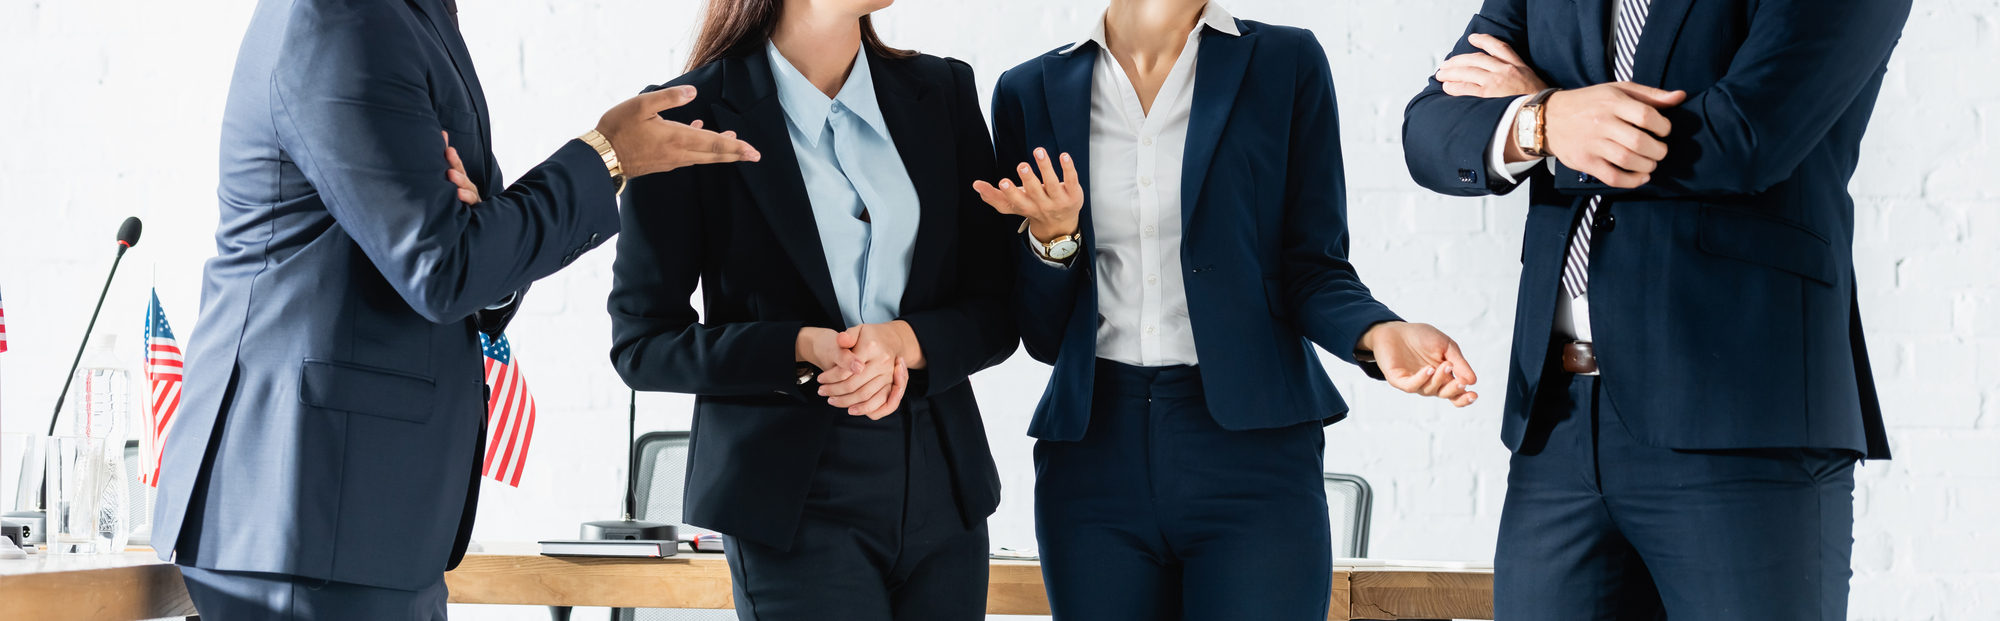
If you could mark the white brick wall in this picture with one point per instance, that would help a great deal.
(110, 108)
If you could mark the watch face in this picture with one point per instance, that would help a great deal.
(1063, 249)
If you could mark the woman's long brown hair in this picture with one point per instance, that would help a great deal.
(732, 28)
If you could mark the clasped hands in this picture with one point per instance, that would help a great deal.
(864, 369)
(1609, 131)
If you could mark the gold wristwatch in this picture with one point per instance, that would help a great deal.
(1530, 132)
(617, 170)
(1059, 249)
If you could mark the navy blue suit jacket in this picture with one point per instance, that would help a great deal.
(334, 404)
(1264, 215)
(1722, 297)
(744, 234)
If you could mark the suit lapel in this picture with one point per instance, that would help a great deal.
(1067, 85)
(1591, 17)
(921, 129)
(461, 60)
(1218, 75)
(1656, 43)
(751, 109)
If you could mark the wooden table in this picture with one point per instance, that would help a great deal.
(136, 585)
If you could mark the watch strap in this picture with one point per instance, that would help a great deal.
(611, 164)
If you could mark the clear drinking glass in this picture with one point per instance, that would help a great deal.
(18, 463)
(86, 499)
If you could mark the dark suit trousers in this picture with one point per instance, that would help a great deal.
(1599, 526)
(1158, 513)
(254, 596)
(881, 538)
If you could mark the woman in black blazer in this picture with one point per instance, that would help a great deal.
(848, 485)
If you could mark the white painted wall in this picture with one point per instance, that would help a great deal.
(110, 108)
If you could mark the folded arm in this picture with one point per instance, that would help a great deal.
(354, 111)
(1446, 137)
(1802, 64)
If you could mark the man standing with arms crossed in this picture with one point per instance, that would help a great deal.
(326, 464)
(1690, 388)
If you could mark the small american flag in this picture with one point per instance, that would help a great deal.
(510, 413)
(163, 383)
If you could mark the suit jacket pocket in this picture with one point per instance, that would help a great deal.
(1766, 241)
(366, 390)
(458, 122)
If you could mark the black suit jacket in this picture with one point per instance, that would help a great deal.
(1722, 293)
(745, 234)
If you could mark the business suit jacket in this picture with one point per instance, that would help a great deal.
(745, 234)
(334, 402)
(1722, 293)
(1264, 230)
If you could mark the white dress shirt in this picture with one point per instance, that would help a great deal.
(1135, 196)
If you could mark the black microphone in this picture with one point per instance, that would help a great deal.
(128, 236)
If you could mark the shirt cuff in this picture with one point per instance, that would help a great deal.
(1035, 248)
(1497, 165)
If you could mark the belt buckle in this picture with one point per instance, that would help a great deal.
(1580, 358)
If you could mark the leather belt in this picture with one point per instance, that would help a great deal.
(1579, 358)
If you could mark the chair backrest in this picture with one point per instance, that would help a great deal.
(1350, 503)
(662, 462)
(662, 458)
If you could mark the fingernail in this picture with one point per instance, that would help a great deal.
(1004, 183)
(1041, 154)
(1024, 168)
(1065, 157)
(1426, 372)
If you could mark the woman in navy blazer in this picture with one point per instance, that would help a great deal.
(1180, 437)
(847, 486)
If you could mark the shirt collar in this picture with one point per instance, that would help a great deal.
(809, 108)
(1212, 16)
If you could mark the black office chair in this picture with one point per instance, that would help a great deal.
(1350, 503)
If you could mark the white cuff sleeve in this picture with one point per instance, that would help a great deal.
(1496, 149)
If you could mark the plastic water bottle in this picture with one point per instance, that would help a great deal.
(103, 410)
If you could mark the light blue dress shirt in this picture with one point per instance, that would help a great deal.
(850, 164)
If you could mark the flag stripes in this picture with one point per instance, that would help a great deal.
(164, 375)
(510, 414)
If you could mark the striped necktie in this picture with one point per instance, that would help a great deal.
(1628, 18)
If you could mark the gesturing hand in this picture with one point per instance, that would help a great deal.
(1418, 359)
(1611, 131)
(467, 193)
(648, 144)
(1499, 72)
(1051, 204)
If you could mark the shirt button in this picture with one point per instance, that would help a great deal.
(1149, 230)
(1152, 279)
(1146, 142)
(1146, 181)
(1150, 330)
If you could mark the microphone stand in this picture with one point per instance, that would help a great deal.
(629, 528)
(71, 376)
